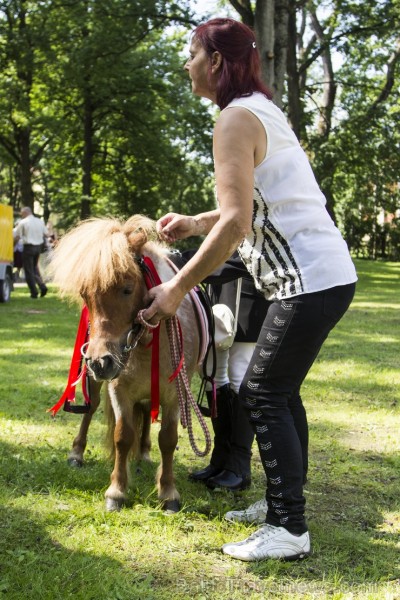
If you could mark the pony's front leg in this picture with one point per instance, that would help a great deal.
(167, 440)
(75, 457)
(123, 442)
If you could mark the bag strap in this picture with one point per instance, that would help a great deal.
(238, 293)
(204, 296)
(205, 293)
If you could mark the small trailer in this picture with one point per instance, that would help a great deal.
(6, 252)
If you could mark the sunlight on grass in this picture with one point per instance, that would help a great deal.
(331, 371)
(372, 305)
(59, 543)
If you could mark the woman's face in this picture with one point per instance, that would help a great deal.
(200, 71)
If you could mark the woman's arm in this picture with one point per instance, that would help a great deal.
(235, 140)
(173, 226)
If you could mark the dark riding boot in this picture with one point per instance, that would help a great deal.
(222, 426)
(237, 472)
(228, 480)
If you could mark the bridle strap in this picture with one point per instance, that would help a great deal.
(77, 371)
(152, 279)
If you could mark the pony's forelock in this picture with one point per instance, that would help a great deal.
(98, 254)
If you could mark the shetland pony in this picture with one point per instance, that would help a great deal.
(98, 262)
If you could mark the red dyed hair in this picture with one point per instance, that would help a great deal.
(241, 65)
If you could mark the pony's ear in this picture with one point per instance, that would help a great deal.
(137, 238)
(139, 230)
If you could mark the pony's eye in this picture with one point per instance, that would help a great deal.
(127, 291)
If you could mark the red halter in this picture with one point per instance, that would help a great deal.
(78, 371)
(152, 279)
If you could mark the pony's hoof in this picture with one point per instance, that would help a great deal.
(75, 462)
(171, 507)
(113, 505)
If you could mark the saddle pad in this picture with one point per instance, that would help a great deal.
(201, 317)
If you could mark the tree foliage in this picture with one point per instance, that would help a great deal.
(97, 117)
(334, 69)
(108, 119)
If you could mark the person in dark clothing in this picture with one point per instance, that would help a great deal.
(230, 462)
(32, 231)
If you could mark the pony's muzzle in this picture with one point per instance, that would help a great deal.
(103, 368)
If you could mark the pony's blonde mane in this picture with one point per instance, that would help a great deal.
(99, 253)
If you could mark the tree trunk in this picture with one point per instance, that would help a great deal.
(23, 142)
(295, 113)
(87, 160)
(329, 93)
(265, 34)
(245, 10)
(326, 170)
(270, 20)
(281, 24)
(20, 36)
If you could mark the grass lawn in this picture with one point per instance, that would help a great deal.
(58, 542)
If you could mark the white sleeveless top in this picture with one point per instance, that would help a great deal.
(294, 246)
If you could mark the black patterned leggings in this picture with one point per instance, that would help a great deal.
(290, 339)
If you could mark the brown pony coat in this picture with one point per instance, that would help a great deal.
(97, 262)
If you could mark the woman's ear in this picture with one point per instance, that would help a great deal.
(216, 61)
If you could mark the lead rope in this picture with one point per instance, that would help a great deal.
(185, 396)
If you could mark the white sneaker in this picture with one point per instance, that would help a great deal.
(270, 542)
(255, 513)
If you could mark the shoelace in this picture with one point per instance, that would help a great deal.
(259, 505)
(266, 531)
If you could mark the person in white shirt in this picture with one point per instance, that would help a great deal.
(272, 210)
(32, 232)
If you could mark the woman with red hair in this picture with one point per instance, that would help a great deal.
(271, 209)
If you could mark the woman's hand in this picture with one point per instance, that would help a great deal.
(172, 227)
(164, 300)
